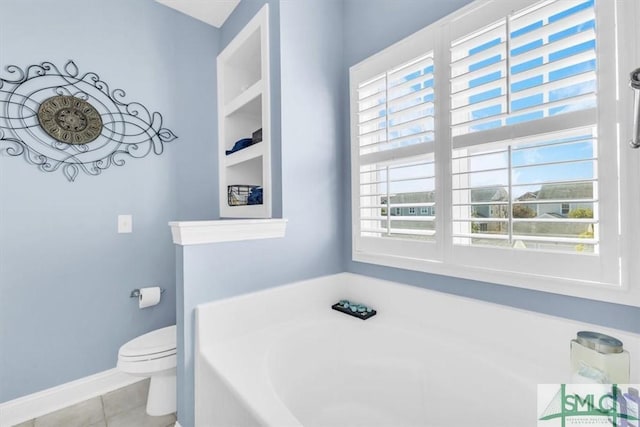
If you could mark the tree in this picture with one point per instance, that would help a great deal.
(581, 213)
(523, 211)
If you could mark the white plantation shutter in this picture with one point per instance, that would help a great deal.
(395, 150)
(548, 184)
(396, 112)
(479, 79)
(494, 155)
(525, 144)
(392, 196)
(536, 63)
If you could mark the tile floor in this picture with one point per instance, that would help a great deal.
(124, 407)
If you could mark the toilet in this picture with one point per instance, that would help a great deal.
(153, 355)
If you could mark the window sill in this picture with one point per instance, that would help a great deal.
(590, 290)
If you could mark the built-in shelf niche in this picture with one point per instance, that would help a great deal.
(243, 98)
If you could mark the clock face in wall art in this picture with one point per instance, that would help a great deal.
(59, 119)
(69, 119)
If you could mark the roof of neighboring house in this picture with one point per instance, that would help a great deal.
(529, 195)
(567, 191)
(551, 215)
(489, 194)
(417, 197)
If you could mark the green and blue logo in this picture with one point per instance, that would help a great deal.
(579, 405)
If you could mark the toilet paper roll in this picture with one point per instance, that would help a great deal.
(149, 297)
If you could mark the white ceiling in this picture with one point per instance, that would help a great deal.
(213, 12)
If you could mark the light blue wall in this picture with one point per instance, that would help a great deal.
(372, 25)
(310, 50)
(65, 274)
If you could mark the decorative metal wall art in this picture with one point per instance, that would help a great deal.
(60, 119)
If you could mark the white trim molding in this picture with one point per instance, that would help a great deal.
(202, 232)
(34, 405)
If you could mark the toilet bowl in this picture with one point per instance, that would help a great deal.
(153, 355)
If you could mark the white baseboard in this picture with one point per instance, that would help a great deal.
(177, 424)
(43, 402)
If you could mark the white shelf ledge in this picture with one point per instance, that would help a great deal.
(244, 99)
(202, 232)
(251, 152)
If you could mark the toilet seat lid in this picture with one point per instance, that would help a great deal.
(154, 342)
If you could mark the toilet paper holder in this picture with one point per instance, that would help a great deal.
(136, 293)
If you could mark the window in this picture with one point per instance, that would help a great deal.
(521, 187)
(395, 142)
(535, 64)
(426, 211)
(503, 116)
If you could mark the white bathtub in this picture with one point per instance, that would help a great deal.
(283, 357)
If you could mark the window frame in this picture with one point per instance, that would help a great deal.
(377, 65)
(443, 256)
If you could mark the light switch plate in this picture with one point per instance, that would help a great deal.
(125, 223)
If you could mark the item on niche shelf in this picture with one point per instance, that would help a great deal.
(239, 145)
(242, 195)
(257, 136)
(255, 196)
